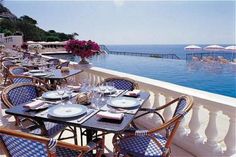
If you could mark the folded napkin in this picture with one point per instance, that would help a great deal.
(34, 105)
(75, 88)
(134, 93)
(109, 115)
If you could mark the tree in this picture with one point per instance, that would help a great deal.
(28, 19)
(53, 38)
(52, 31)
(7, 32)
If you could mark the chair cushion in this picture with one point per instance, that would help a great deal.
(63, 152)
(52, 129)
(24, 148)
(140, 146)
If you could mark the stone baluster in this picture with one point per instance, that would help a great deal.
(156, 99)
(211, 130)
(230, 138)
(194, 123)
(167, 111)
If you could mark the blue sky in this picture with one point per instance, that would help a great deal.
(136, 22)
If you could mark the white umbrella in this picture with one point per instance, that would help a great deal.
(213, 48)
(193, 48)
(230, 48)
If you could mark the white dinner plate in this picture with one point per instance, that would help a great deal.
(36, 71)
(54, 95)
(104, 90)
(66, 111)
(123, 102)
(39, 74)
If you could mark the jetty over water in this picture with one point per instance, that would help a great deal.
(154, 55)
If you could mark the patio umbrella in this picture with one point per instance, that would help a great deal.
(213, 48)
(193, 48)
(230, 48)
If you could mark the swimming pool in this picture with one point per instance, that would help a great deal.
(211, 77)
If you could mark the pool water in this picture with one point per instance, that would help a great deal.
(212, 77)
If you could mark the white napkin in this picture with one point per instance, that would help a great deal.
(34, 105)
(109, 115)
(134, 93)
(75, 88)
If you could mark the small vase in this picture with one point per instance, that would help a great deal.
(83, 61)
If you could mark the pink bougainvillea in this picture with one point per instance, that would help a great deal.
(82, 48)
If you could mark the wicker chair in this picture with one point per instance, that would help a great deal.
(64, 64)
(122, 83)
(16, 144)
(141, 143)
(17, 94)
(17, 70)
(5, 69)
(29, 79)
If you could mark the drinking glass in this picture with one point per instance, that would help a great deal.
(95, 99)
(61, 92)
(102, 90)
(85, 86)
(69, 91)
(110, 88)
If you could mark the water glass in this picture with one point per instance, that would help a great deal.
(69, 91)
(96, 99)
(61, 92)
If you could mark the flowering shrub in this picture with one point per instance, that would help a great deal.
(82, 48)
(24, 46)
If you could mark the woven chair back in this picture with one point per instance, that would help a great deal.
(122, 83)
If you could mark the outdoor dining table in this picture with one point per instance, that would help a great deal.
(56, 75)
(88, 121)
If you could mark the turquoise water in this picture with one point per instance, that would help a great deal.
(211, 77)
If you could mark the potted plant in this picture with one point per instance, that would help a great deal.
(35, 47)
(2, 47)
(82, 48)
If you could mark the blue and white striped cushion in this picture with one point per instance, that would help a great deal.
(22, 80)
(142, 146)
(180, 106)
(52, 129)
(19, 147)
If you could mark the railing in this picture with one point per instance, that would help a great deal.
(208, 130)
(227, 55)
(155, 55)
(167, 56)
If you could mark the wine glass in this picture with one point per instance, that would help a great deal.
(95, 99)
(102, 90)
(110, 88)
(69, 91)
(61, 92)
